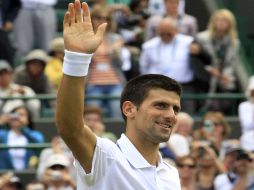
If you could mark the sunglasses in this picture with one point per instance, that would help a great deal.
(190, 166)
(103, 18)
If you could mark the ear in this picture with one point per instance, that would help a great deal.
(129, 109)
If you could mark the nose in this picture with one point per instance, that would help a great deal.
(170, 113)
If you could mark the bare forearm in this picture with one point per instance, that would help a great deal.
(70, 102)
(241, 184)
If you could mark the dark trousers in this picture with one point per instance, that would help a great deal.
(6, 49)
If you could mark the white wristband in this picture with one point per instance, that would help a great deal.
(76, 64)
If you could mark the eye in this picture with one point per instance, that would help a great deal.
(176, 109)
(161, 105)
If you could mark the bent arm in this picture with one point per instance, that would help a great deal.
(80, 40)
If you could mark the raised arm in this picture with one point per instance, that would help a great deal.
(79, 37)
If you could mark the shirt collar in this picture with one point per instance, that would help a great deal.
(133, 155)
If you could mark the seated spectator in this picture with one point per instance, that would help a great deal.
(185, 125)
(32, 73)
(208, 166)
(53, 69)
(56, 175)
(9, 89)
(246, 116)
(239, 175)
(187, 24)
(18, 130)
(213, 131)
(220, 40)
(93, 119)
(57, 147)
(179, 142)
(8, 181)
(187, 172)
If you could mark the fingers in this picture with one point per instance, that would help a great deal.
(78, 17)
(101, 30)
(66, 21)
(72, 13)
(86, 13)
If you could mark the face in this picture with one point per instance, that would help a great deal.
(155, 118)
(19, 118)
(221, 24)
(92, 118)
(205, 162)
(213, 126)
(100, 18)
(5, 78)
(171, 6)
(167, 31)
(186, 168)
(184, 127)
(35, 68)
(241, 166)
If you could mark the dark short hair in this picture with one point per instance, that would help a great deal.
(92, 109)
(137, 89)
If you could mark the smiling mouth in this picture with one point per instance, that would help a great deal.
(164, 125)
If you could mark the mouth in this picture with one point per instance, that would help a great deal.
(164, 125)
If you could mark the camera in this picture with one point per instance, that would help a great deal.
(14, 115)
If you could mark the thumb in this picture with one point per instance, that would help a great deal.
(101, 30)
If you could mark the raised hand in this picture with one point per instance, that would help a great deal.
(79, 35)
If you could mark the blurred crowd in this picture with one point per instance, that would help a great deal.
(142, 36)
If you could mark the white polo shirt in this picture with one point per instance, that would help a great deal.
(121, 167)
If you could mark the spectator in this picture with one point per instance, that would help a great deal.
(179, 143)
(53, 69)
(32, 28)
(168, 54)
(187, 168)
(8, 181)
(221, 41)
(57, 175)
(208, 166)
(9, 89)
(105, 75)
(18, 131)
(186, 24)
(57, 147)
(239, 175)
(8, 12)
(32, 73)
(93, 119)
(185, 125)
(246, 116)
(213, 131)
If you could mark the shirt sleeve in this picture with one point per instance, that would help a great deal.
(104, 156)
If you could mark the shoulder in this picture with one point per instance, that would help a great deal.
(189, 18)
(203, 35)
(151, 43)
(184, 38)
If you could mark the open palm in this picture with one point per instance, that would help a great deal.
(79, 35)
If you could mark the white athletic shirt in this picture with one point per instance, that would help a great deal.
(121, 167)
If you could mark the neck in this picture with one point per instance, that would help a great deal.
(147, 149)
